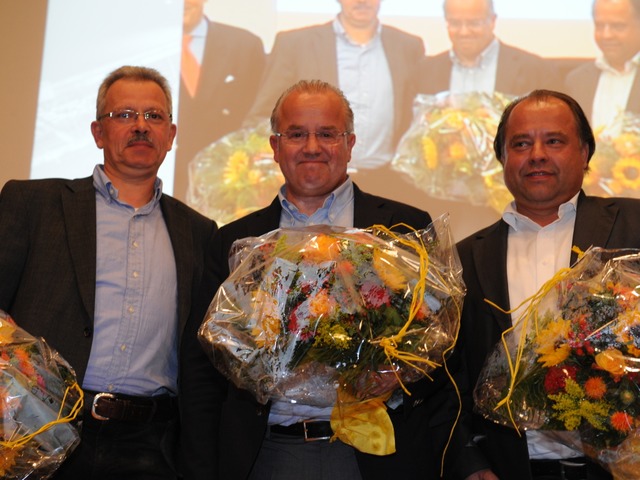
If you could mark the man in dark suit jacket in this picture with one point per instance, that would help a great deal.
(598, 85)
(544, 142)
(60, 263)
(235, 428)
(474, 48)
(231, 65)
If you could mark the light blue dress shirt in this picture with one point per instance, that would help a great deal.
(135, 340)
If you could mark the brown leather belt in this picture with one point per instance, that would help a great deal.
(128, 408)
(310, 430)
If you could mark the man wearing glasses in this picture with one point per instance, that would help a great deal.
(478, 61)
(312, 141)
(103, 268)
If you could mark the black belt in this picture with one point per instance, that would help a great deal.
(129, 408)
(310, 430)
(569, 469)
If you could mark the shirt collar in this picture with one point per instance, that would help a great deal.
(330, 209)
(201, 28)
(486, 57)
(629, 66)
(109, 192)
(339, 30)
(518, 221)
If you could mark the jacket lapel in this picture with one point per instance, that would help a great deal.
(594, 223)
(490, 259)
(79, 210)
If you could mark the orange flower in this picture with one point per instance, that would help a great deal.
(322, 248)
(613, 361)
(321, 304)
(621, 421)
(7, 459)
(595, 388)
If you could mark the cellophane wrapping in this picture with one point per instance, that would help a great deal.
(39, 401)
(575, 365)
(307, 311)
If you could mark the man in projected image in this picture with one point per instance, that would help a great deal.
(241, 439)
(219, 78)
(478, 61)
(544, 143)
(373, 64)
(103, 268)
(611, 84)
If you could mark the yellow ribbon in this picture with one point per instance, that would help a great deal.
(77, 407)
(530, 312)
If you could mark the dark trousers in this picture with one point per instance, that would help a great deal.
(113, 450)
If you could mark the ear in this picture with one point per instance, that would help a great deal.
(585, 157)
(273, 141)
(172, 135)
(96, 131)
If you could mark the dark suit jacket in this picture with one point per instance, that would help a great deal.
(233, 424)
(48, 260)
(230, 74)
(518, 72)
(310, 53)
(581, 84)
(603, 222)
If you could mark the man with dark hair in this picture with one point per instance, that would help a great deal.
(241, 439)
(611, 84)
(544, 143)
(103, 268)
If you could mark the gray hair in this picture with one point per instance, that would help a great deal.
(128, 72)
(312, 86)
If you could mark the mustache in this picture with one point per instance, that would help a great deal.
(140, 137)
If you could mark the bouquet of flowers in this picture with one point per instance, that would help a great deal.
(310, 315)
(39, 400)
(448, 150)
(234, 176)
(575, 365)
(615, 166)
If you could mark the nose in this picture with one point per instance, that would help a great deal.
(312, 144)
(538, 151)
(140, 123)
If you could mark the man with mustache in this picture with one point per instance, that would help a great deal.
(103, 268)
(544, 142)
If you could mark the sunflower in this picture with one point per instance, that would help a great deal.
(429, 152)
(236, 167)
(626, 172)
(551, 342)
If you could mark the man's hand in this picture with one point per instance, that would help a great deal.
(482, 475)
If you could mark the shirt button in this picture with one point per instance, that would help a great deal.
(130, 309)
(136, 274)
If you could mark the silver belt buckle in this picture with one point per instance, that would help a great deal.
(314, 439)
(98, 396)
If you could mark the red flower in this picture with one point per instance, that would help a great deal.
(621, 421)
(374, 296)
(556, 377)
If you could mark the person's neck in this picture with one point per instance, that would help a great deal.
(137, 192)
(541, 216)
(359, 34)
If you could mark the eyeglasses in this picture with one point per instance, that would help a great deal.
(154, 117)
(300, 137)
(474, 24)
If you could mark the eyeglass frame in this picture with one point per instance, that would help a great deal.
(471, 24)
(145, 115)
(305, 137)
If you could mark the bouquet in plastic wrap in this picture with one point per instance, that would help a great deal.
(234, 176)
(39, 400)
(615, 166)
(327, 316)
(448, 150)
(575, 365)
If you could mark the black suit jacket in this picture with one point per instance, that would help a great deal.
(581, 83)
(310, 53)
(230, 74)
(233, 424)
(518, 72)
(603, 222)
(48, 260)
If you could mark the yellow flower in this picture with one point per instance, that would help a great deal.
(455, 118)
(429, 153)
(626, 172)
(266, 331)
(551, 343)
(236, 166)
(612, 360)
(322, 248)
(386, 266)
(573, 407)
(457, 151)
